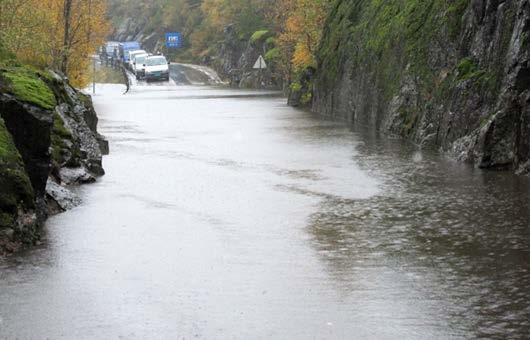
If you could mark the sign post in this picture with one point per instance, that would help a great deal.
(174, 40)
(260, 65)
(94, 76)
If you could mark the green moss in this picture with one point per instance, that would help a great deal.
(27, 85)
(8, 151)
(15, 184)
(388, 36)
(6, 220)
(296, 86)
(273, 54)
(86, 99)
(59, 134)
(454, 15)
(258, 35)
(59, 128)
(467, 69)
(306, 98)
(271, 41)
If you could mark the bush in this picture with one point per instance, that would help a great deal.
(258, 35)
(273, 54)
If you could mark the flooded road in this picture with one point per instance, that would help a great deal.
(228, 215)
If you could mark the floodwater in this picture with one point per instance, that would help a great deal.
(225, 214)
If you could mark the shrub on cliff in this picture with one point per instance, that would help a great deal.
(259, 36)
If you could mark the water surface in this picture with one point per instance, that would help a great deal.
(227, 215)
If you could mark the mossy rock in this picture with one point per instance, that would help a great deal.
(15, 184)
(390, 34)
(59, 135)
(6, 220)
(28, 85)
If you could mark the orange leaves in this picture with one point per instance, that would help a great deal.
(302, 56)
(301, 23)
(34, 31)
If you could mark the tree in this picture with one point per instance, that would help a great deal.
(66, 41)
(58, 34)
(299, 29)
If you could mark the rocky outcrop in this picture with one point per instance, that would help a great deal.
(76, 124)
(30, 127)
(135, 29)
(234, 60)
(18, 218)
(48, 142)
(455, 75)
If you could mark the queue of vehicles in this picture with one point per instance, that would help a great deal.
(144, 65)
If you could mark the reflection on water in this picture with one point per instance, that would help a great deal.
(236, 217)
(459, 235)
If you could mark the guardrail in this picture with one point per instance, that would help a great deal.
(127, 79)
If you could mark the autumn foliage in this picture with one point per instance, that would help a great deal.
(295, 26)
(34, 31)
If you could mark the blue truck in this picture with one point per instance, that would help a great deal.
(125, 48)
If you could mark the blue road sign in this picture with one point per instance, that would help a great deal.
(174, 40)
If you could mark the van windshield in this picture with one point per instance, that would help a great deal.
(156, 61)
(140, 59)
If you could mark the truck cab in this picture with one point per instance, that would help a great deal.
(125, 48)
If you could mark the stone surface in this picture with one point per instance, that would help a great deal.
(459, 81)
(79, 117)
(30, 127)
(37, 143)
(80, 175)
(64, 198)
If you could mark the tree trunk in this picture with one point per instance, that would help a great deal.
(66, 41)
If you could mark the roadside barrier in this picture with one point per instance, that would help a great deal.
(127, 80)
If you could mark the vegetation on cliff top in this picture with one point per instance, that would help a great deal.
(27, 85)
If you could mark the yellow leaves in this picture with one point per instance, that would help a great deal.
(34, 31)
(300, 29)
(302, 56)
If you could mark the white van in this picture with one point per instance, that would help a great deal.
(131, 57)
(138, 65)
(156, 68)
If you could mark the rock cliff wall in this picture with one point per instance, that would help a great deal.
(48, 141)
(234, 60)
(453, 74)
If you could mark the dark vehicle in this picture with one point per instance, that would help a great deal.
(108, 53)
